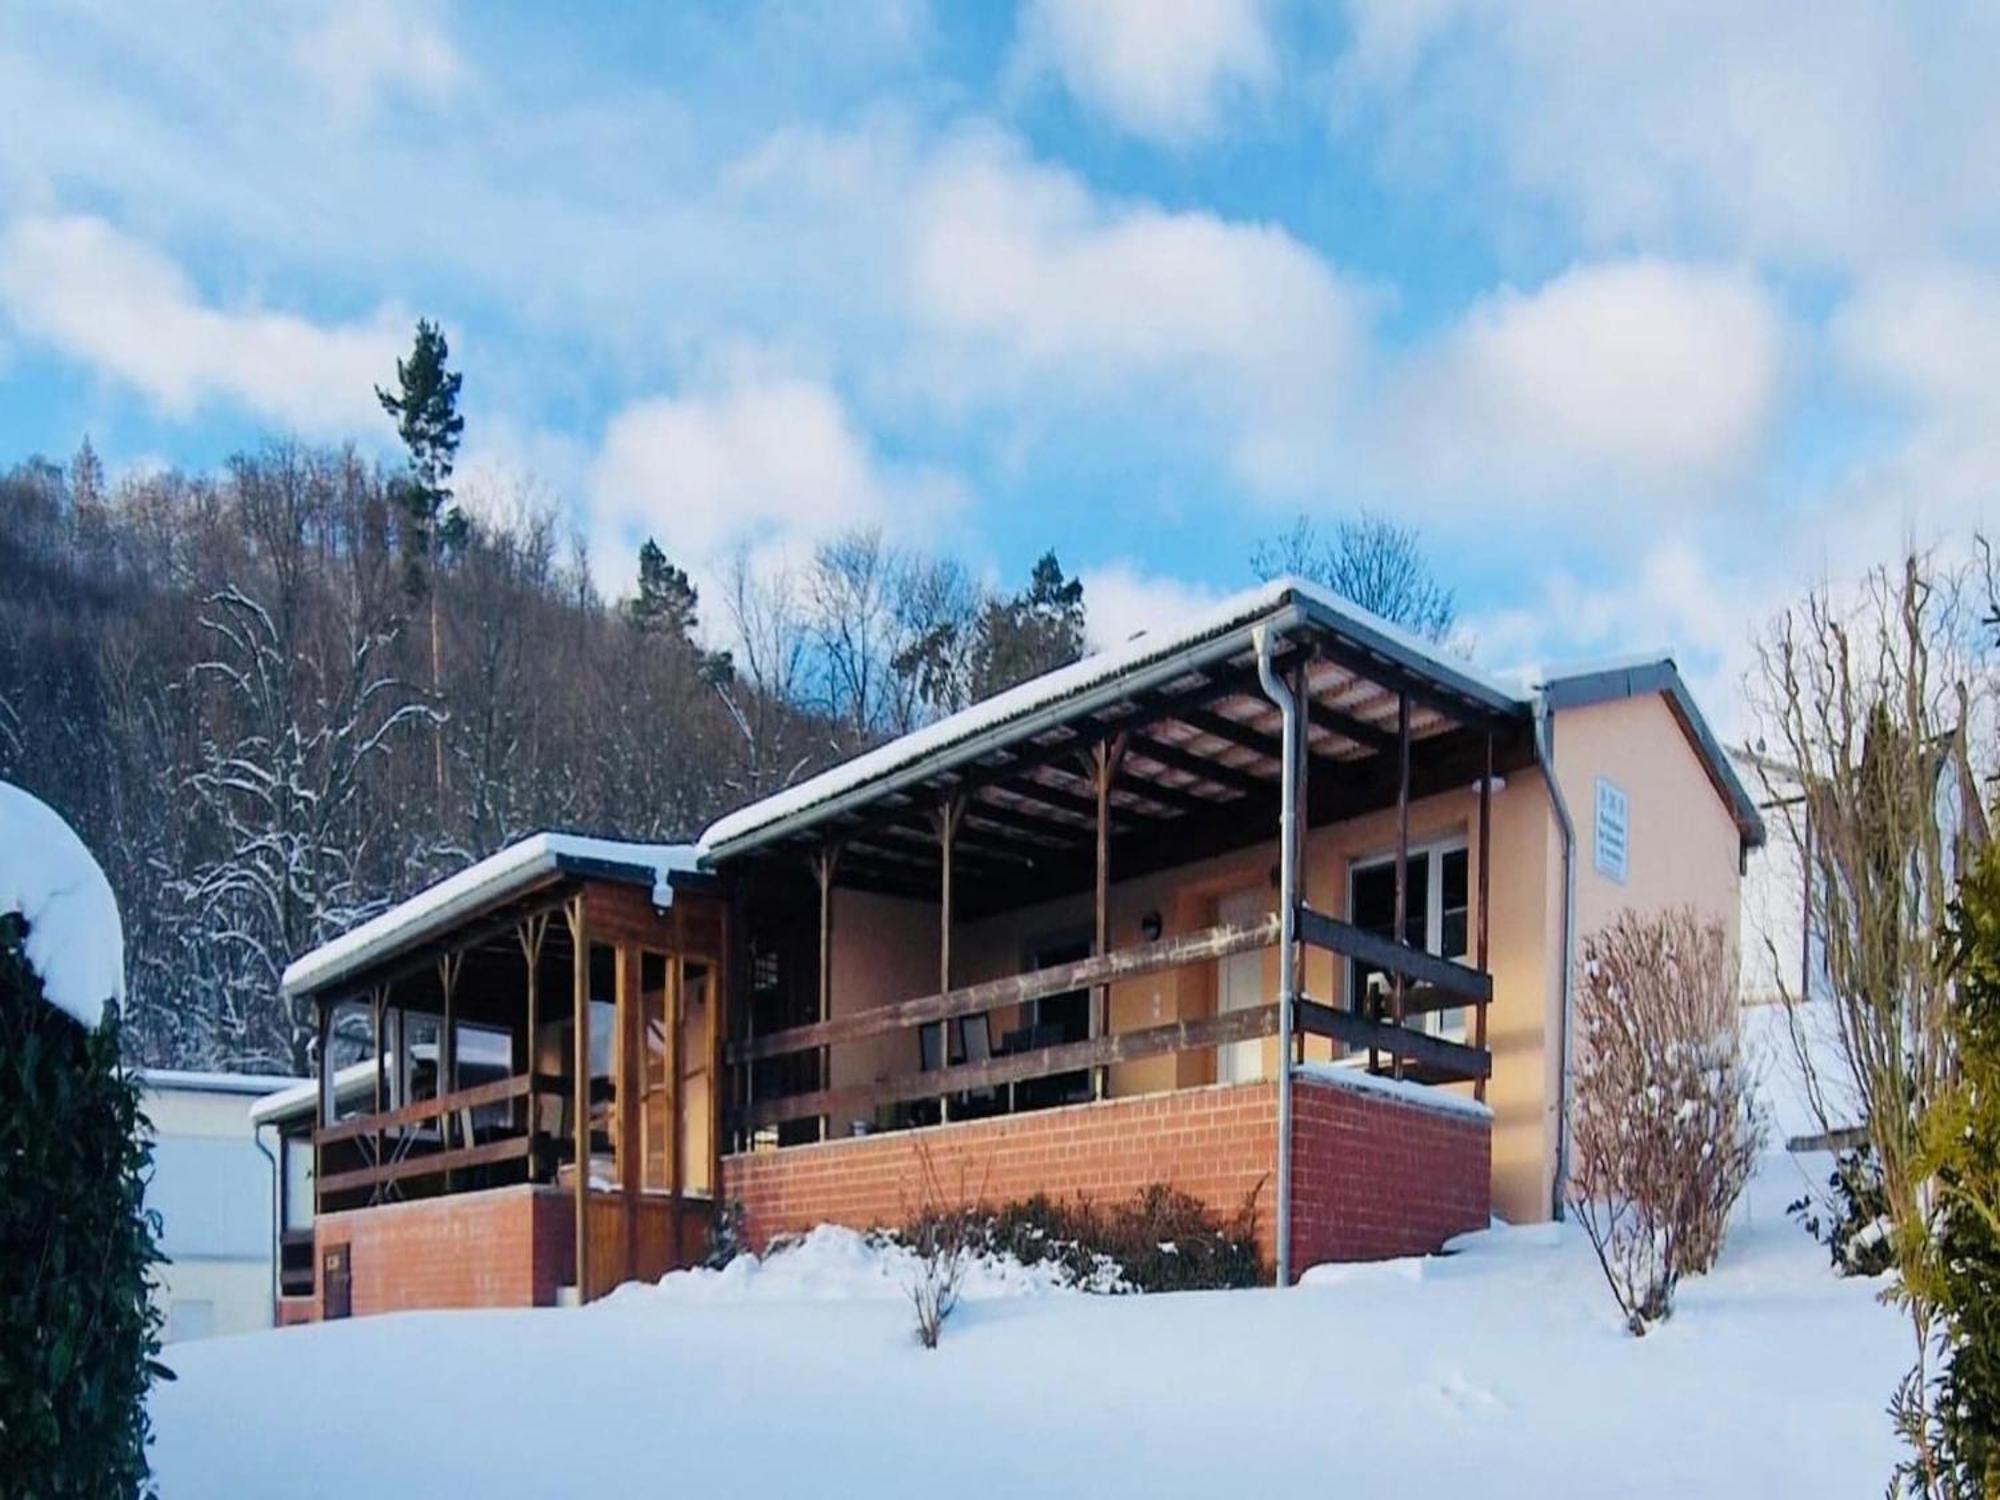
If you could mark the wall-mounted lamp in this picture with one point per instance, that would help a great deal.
(1150, 927)
(1498, 784)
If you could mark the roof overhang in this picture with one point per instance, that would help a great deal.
(1290, 608)
(491, 883)
(1640, 677)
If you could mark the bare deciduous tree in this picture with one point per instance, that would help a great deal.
(1370, 560)
(1864, 706)
(941, 1235)
(1664, 1132)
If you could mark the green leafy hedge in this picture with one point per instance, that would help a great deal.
(78, 1335)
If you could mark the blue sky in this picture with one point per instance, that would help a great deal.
(1647, 319)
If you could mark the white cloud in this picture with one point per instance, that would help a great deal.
(765, 461)
(1159, 69)
(1675, 595)
(1032, 276)
(1928, 334)
(1924, 341)
(360, 51)
(1817, 135)
(1643, 373)
(101, 297)
(1121, 599)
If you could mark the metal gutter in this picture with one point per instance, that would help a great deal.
(1229, 641)
(1545, 754)
(1288, 904)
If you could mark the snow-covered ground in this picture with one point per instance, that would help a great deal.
(1500, 1370)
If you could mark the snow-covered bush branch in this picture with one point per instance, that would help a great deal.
(1664, 1130)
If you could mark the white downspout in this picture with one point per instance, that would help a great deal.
(1545, 754)
(1288, 850)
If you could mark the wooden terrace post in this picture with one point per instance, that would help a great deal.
(579, 938)
(379, 1007)
(945, 821)
(676, 1104)
(323, 1028)
(530, 933)
(1301, 695)
(448, 967)
(1102, 767)
(825, 861)
(716, 989)
(1402, 860)
(1479, 928)
(627, 1072)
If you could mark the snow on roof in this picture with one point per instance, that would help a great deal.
(1424, 1096)
(517, 865)
(165, 1079)
(75, 939)
(299, 1096)
(1142, 650)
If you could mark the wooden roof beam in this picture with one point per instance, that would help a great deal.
(1216, 773)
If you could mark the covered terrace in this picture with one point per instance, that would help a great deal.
(1031, 828)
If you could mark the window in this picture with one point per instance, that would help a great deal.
(298, 1150)
(1436, 920)
(1612, 840)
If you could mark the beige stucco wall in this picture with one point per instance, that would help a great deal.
(1683, 848)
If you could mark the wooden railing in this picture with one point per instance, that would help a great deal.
(377, 1132)
(1430, 983)
(997, 994)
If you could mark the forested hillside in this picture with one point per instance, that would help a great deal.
(276, 697)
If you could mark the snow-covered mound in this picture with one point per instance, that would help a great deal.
(1500, 1370)
(833, 1264)
(75, 939)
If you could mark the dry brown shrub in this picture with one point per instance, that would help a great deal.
(1664, 1130)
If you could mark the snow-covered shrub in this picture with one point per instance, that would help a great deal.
(1158, 1240)
(1664, 1131)
(78, 1334)
(1850, 1216)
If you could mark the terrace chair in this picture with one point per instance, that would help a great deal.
(976, 1043)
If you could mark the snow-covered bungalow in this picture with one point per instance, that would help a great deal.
(1272, 906)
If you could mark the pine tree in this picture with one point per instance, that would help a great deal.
(666, 606)
(1035, 631)
(666, 601)
(425, 406)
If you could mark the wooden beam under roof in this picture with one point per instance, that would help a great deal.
(1441, 763)
(1215, 772)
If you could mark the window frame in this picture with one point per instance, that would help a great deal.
(1450, 1024)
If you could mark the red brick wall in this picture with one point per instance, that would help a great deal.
(504, 1247)
(1216, 1143)
(1373, 1176)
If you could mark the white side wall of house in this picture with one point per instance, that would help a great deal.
(1773, 891)
(212, 1187)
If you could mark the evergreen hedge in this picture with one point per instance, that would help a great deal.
(79, 1335)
